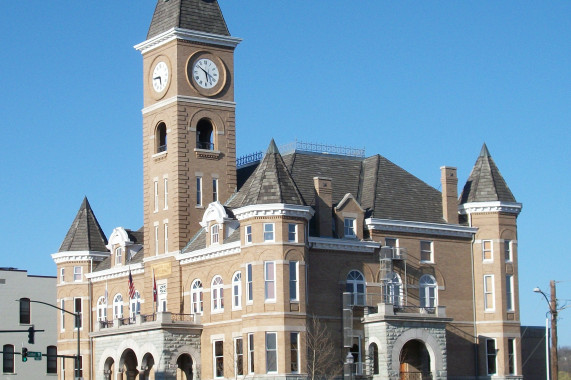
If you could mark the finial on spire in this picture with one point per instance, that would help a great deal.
(484, 152)
(272, 148)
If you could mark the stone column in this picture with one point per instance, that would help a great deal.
(132, 374)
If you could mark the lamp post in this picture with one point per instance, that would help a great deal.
(553, 311)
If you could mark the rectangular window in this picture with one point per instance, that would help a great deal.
(489, 292)
(218, 358)
(156, 240)
(25, 311)
(166, 185)
(8, 360)
(249, 284)
(239, 357)
(271, 352)
(426, 252)
(62, 314)
(293, 285)
(349, 227)
(292, 232)
(270, 280)
(156, 189)
(118, 254)
(77, 272)
(199, 191)
(511, 356)
(508, 250)
(51, 354)
(76, 310)
(268, 232)
(214, 234)
(392, 242)
(294, 352)
(248, 235)
(166, 238)
(487, 250)
(250, 353)
(215, 190)
(61, 275)
(509, 292)
(491, 356)
(162, 296)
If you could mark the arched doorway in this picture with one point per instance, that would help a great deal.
(414, 361)
(184, 367)
(147, 367)
(128, 365)
(109, 369)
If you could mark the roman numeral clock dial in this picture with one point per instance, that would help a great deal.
(205, 73)
(160, 76)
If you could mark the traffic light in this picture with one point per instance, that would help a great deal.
(31, 335)
(24, 354)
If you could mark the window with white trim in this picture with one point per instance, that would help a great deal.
(61, 275)
(270, 280)
(508, 251)
(118, 255)
(237, 291)
(356, 286)
(491, 356)
(135, 305)
(156, 240)
(489, 292)
(218, 350)
(428, 291)
(77, 273)
(162, 296)
(156, 192)
(293, 281)
(292, 232)
(217, 294)
(509, 292)
(8, 358)
(250, 353)
(271, 352)
(426, 251)
(392, 242)
(511, 356)
(249, 284)
(393, 290)
(77, 309)
(196, 305)
(166, 230)
(214, 189)
(238, 357)
(118, 306)
(101, 309)
(248, 235)
(62, 315)
(349, 227)
(487, 250)
(214, 238)
(268, 232)
(166, 189)
(294, 352)
(199, 191)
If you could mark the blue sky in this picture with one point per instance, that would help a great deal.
(424, 84)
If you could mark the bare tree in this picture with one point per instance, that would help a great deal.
(323, 360)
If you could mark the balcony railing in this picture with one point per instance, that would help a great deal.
(147, 318)
(393, 253)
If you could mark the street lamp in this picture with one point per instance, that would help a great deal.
(553, 311)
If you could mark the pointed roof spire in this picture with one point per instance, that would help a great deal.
(197, 15)
(486, 183)
(270, 183)
(85, 233)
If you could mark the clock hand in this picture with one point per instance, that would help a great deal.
(159, 78)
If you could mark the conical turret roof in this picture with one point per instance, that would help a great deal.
(270, 183)
(197, 15)
(485, 183)
(85, 233)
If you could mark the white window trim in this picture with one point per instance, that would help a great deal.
(220, 300)
(514, 350)
(248, 234)
(275, 334)
(215, 190)
(491, 259)
(510, 295)
(295, 239)
(101, 309)
(237, 284)
(116, 304)
(62, 315)
(273, 232)
(156, 191)
(214, 358)
(215, 234)
(423, 291)
(495, 356)
(166, 189)
(198, 191)
(266, 281)
(509, 245)
(236, 357)
(352, 228)
(296, 269)
(249, 280)
(80, 273)
(166, 237)
(292, 333)
(162, 295)
(251, 352)
(431, 261)
(156, 239)
(199, 291)
(62, 276)
(487, 291)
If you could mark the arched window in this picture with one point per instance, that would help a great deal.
(135, 305)
(161, 137)
(428, 294)
(118, 255)
(25, 311)
(356, 286)
(393, 290)
(118, 306)
(217, 295)
(237, 290)
(374, 358)
(196, 297)
(102, 309)
(204, 135)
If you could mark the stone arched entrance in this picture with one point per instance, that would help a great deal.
(128, 365)
(184, 367)
(109, 369)
(147, 367)
(414, 361)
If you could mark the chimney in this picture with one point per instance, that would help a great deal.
(323, 206)
(449, 183)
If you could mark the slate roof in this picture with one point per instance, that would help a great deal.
(197, 15)
(85, 233)
(271, 182)
(485, 183)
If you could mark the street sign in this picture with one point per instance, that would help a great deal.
(35, 354)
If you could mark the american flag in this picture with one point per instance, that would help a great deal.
(131, 286)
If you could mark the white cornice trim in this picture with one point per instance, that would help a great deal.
(274, 209)
(187, 35)
(495, 206)
(116, 272)
(420, 227)
(188, 99)
(63, 257)
(332, 244)
(208, 253)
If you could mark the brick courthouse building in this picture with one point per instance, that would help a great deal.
(233, 262)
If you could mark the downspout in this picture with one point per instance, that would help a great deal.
(476, 362)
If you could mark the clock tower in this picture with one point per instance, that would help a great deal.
(189, 132)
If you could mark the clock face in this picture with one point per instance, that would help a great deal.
(160, 77)
(205, 73)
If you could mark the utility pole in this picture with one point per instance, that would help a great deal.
(553, 310)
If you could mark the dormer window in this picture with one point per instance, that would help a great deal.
(214, 234)
(349, 227)
(161, 138)
(118, 255)
(204, 134)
